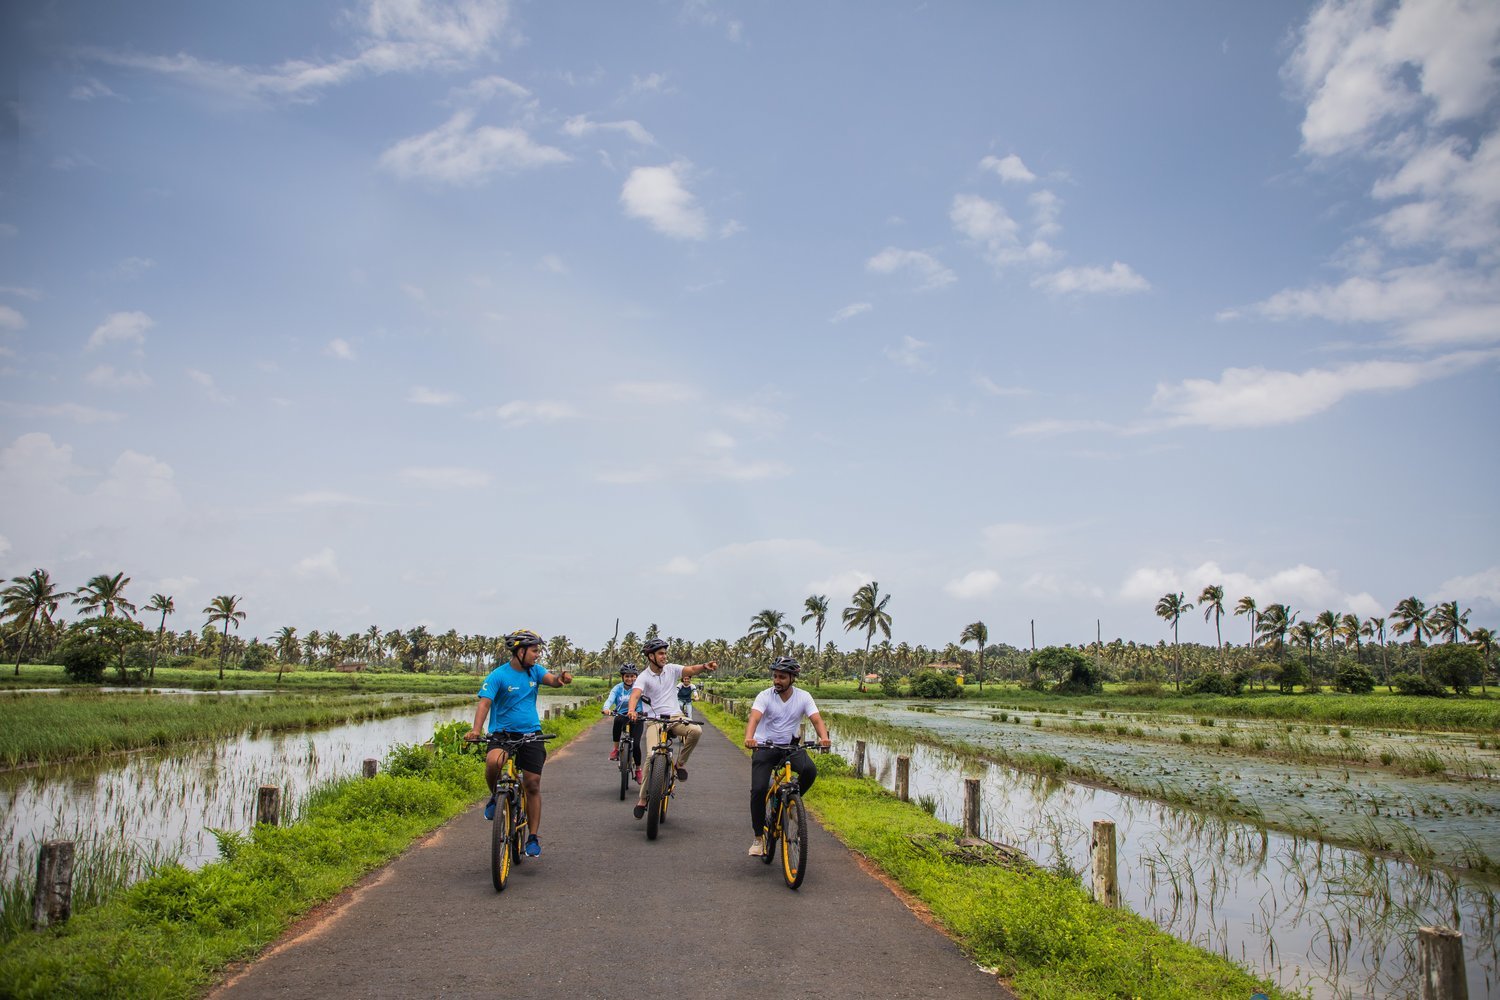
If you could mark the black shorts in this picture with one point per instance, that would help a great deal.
(530, 757)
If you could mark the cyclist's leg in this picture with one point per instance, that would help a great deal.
(690, 735)
(806, 770)
(532, 785)
(637, 736)
(494, 763)
(760, 782)
(652, 736)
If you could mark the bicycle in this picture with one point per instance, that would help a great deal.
(661, 772)
(786, 816)
(511, 824)
(625, 750)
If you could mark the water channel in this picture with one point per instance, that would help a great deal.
(1334, 922)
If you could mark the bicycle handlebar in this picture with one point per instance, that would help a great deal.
(520, 739)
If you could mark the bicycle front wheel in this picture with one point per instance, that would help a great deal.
(500, 837)
(773, 827)
(656, 794)
(520, 826)
(793, 841)
(624, 751)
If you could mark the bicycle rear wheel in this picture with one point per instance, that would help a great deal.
(656, 793)
(624, 751)
(773, 827)
(520, 826)
(500, 838)
(793, 840)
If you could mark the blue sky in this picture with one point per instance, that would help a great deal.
(478, 315)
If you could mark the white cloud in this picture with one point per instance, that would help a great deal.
(1481, 586)
(850, 311)
(925, 268)
(205, 381)
(837, 587)
(657, 195)
(989, 226)
(91, 90)
(1010, 168)
(20, 291)
(1302, 587)
(518, 412)
(446, 477)
(339, 348)
(660, 393)
(580, 125)
(68, 411)
(36, 458)
(121, 327)
(487, 88)
(423, 396)
(991, 387)
(680, 566)
(454, 153)
(1117, 277)
(138, 480)
(973, 585)
(322, 564)
(909, 354)
(553, 263)
(11, 319)
(107, 377)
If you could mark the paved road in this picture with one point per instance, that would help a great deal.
(607, 913)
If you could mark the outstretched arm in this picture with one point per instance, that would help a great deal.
(698, 668)
(557, 680)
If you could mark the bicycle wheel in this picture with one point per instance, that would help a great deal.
(793, 840)
(773, 827)
(624, 749)
(500, 837)
(520, 826)
(656, 793)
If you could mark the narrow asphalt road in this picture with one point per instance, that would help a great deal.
(607, 913)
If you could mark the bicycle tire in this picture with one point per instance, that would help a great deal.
(656, 793)
(773, 827)
(793, 840)
(500, 837)
(624, 752)
(520, 827)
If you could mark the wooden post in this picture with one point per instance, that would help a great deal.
(268, 805)
(859, 758)
(1106, 872)
(903, 778)
(371, 765)
(971, 807)
(1441, 958)
(54, 884)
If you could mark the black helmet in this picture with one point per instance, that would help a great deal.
(520, 639)
(628, 668)
(787, 665)
(652, 645)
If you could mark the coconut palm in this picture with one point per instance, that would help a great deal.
(868, 614)
(1484, 640)
(288, 648)
(1326, 625)
(1273, 624)
(1212, 603)
(107, 592)
(1411, 615)
(1171, 608)
(1246, 606)
(769, 627)
(1447, 620)
(816, 607)
(164, 604)
(1350, 630)
(1374, 628)
(224, 610)
(1305, 634)
(979, 635)
(32, 597)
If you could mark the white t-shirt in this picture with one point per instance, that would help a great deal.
(779, 719)
(661, 689)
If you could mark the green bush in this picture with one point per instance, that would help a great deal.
(1353, 679)
(890, 684)
(83, 658)
(935, 684)
(1213, 683)
(1455, 665)
(1292, 674)
(1411, 684)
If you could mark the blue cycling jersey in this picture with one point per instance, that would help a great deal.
(618, 700)
(513, 696)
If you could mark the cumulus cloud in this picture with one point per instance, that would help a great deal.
(580, 125)
(656, 392)
(322, 564)
(1301, 587)
(989, 226)
(908, 354)
(445, 477)
(850, 311)
(204, 381)
(107, 377)
(519, 412)
(1481, 586)
(1117, 278)
(339, 348)
(659, 196)
(994, 389)
(1009, 168)
(458, 153)
(841, 583)
(973, 585)
(925, 269)
(121, 328)
(11, 319)
(423, 396)
(679, 566)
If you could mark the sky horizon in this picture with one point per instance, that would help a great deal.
(483, 315)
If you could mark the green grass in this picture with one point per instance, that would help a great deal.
(169, 936)
(51, 727)
(1039, 929)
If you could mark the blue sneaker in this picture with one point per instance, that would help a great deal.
(533, 847)
(489, 808)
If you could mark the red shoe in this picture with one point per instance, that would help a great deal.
(637, 776)
(614, 752)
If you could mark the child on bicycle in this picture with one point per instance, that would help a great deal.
(617, 703)
(507, 699)
(775, 717)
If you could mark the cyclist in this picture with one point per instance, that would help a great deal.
(507, 698)
(658, 684)
(775, 716)
(617, 704)
(685, 697)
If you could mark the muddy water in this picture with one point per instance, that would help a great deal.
(160, 804)
(1338, 923)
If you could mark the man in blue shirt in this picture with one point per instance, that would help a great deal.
(507, 704)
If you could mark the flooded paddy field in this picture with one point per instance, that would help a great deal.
(1334, 921)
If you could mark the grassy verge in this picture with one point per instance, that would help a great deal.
(169, 935)
(48, 727)
(1043, 933)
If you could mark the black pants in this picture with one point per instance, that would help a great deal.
(637, 728)
(761, 762)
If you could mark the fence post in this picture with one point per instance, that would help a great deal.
(971, 808)
(1441, 958)
(268, 805)
(859, 758)
(1106, 872)
(54, 884)
(371, 764)
(903, 778)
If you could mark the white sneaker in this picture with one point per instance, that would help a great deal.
(757, 849)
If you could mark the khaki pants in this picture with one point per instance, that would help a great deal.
(688, 733)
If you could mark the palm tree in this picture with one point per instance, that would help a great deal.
(1171, 608)
(1411, 615)
(224, 609)
(769, 627)
(1306, 633)
(1374, 628)
(1484, 639)
(1212, 603)
(1447, 620)
(1246, 606)
(1326, 626)
(107, 592)
(31, 597)
(164, 604)
(868, 614)
(1273, 625)
(816, 607)
(1350, 631)
(288, 648)
(976, 633)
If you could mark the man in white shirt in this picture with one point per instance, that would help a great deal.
(775, 717)
(657, 686)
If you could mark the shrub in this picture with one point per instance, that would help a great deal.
(1143, 689)
(934, 684)
(257, 656)
(1353, 678)
(1424, 687)
(1211, 683)
(83, 658)
(1455, 665)
(1075, 673)
(1292, 674)
(890, 685)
